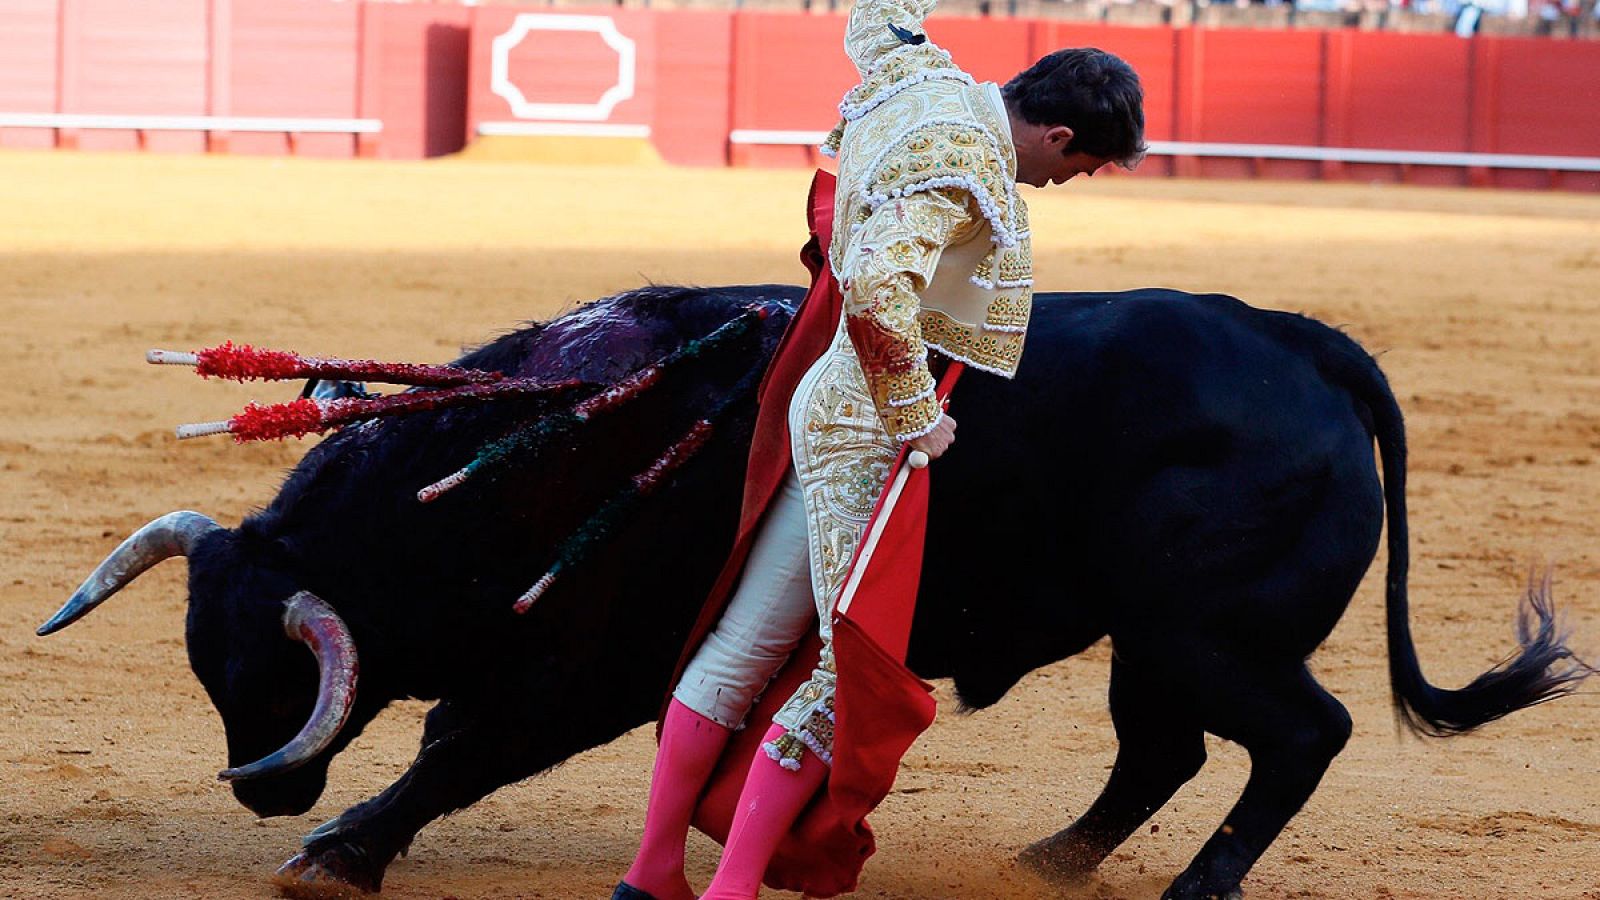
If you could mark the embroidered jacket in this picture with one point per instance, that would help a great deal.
(931, 244)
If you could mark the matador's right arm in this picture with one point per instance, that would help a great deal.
(868, 37)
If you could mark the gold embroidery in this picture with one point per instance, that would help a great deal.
(952, 150)
(985, 270)
(1010, 310)
(892, 256)
(1016, 263)
(922, 62)
(992, 351)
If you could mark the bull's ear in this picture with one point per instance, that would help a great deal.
(311, 621)
(174, 534)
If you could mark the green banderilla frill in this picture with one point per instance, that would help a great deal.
(527, 441)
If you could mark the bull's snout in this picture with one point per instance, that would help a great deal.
(291, 794)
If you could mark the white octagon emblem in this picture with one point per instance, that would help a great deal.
(500, 68)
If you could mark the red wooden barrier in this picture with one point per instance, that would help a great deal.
(988, 49)
(1256, 87)
(580, 70)
(694, 96)
(28, 57)
(291, 58)
(138, 58)
(414, 78)
(784, 80)
(1397, 92)
(1153, 53)
(429, 73)
(1537, 96)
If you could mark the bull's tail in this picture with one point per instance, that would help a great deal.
(1542, 669)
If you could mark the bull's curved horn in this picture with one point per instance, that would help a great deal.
(174, 534)
(310, 620)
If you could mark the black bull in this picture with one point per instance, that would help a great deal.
(1186, 474)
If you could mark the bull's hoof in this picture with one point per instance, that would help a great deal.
(1054, 860)
(337, 873)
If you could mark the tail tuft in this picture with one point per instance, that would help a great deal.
(1543, 669)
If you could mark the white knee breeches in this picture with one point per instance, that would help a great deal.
(799, 561)
(771, 611)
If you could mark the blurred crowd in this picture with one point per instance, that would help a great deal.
(1554, 18)
(1549, 18)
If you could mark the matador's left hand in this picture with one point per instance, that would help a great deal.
(937, 441)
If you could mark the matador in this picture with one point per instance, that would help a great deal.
(930, 250)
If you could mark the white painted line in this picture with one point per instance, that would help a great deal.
(758, 136)
(1359, 155)
(192, 123)
(563, 129)
(1273, 151)
(501, 85)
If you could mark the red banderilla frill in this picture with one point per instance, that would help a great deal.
(304, 416)
(242, 362)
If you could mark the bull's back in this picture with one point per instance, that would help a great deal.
(1153, 444)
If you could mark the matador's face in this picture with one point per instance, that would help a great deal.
(1043, 157)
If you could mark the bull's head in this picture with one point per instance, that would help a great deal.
(243, 650)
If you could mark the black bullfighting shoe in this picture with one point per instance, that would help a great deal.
(626, 891)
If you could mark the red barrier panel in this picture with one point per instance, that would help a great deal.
(414, 78)
(434, 73)
(785, 80)
(580, 71)
(1397, 92)
(28, 48)
(1153, 53)
(694, 93)
(1538, 97)
(988, 49)
(146, 58)
(293, 58)
(1250, 87)
(782, 82)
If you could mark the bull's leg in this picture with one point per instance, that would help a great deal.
(444, 718)
(463, 765)
(1160, 747)
(1293, 729)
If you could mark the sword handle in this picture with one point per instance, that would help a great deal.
(917, 459)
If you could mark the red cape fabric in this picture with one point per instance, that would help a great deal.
(880, 706)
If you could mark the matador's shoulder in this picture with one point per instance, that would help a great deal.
(955, 153)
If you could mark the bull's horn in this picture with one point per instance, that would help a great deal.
(310, 620)
(174, 534)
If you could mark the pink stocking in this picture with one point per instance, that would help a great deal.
(773, 798)
(691, 744)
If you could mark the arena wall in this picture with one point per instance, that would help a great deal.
(756, 87)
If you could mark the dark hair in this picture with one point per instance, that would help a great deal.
(1092, 92)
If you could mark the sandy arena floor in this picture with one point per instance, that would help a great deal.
(1485, 307)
